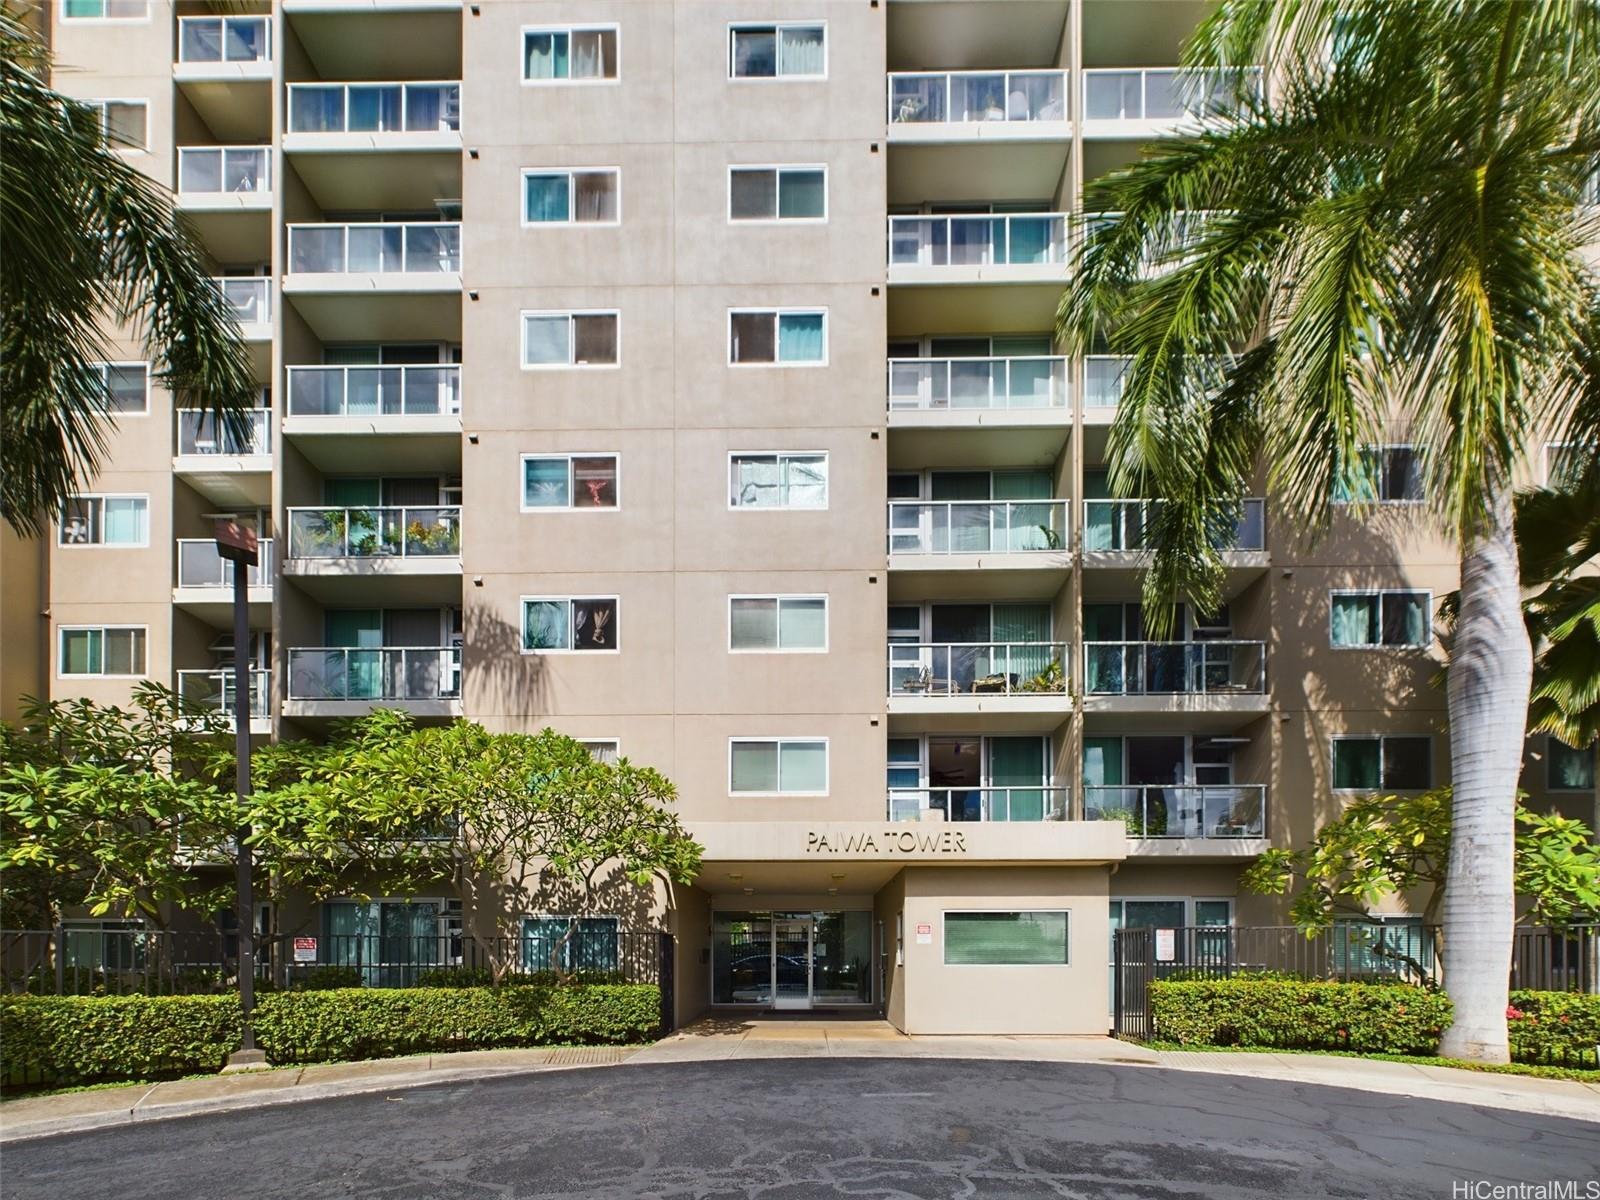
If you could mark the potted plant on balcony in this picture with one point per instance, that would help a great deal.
(1052, 679)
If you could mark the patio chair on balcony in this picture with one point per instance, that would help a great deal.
(994, 683)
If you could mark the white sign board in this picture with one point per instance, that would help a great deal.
(1166, 945)
(305, 949)
(924, 935)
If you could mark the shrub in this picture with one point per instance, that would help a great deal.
(85, 1039)
(1554, 1027)
(1364, 1017)
(460, 977)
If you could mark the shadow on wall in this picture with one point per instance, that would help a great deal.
(497, 677)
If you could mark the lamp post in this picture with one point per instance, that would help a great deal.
(237, 544)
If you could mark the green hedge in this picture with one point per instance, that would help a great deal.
(86, 1039)
(1374, 1018)
(1554, 1027)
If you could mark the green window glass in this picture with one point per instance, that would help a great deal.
(1356, 764)
(1026, 938)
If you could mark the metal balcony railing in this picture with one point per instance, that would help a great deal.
(1039, 802)
(977, 526)
(1103, 376)
(378, 248)
(199, 432)
(200, 566)
(1181, 810)
(932, 669)
(375, 673)
(214, 690)
(1162, 93)
(1196, 668)
(963, 97)
(224, 170)
(978, 240)
(224, 39)
(375, 107)
(937, 384)
(398, 391)
(1121, 525)
(420, 532)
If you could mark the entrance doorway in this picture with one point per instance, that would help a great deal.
(792, 960)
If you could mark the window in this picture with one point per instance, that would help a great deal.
(1380, 946)
(778, 766)
(1388, 474)
(777, 193)
(1567, 769)
(778, 480)
(1366, 764)
(579, 197)
(106, 521)
(560, 940)
(602, 750)
(781, 623)
(570, 54)
(571, 339)
(124, 122)
(1389, 618)
(569, 623)
(108, 650)
(791, 50)
(105, 10)
(128, 387)
(569, 481)
(1028, 938)
(777, 337)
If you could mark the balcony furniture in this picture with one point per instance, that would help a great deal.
(994, 683)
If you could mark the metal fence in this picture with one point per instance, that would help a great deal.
(1543, 959)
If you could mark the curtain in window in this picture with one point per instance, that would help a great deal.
(1025, 526)
(591, 946)
(374, 109)
(1102, 768)
(801, 194)
(755, 53)
(316, 109)
(1017, 763)
(1355, 620)
(594, 54)
(545, 483)
(425, 108)
(755, 482)
(1030, 623)
(544, 625)
(805, 482)
(594, 338)
(1360, 482)
(547, 198)
(799, 337)
(1406, 619)
(349, 934)
(594, 196)
(1356, 763)
(1030, 239)
(803, 624)
(127, 522)
(81, 652)
(546, 56)
(800, 51)
(803, 767)
(545, 340)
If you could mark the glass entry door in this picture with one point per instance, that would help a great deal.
(791, 961)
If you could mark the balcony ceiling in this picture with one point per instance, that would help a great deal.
(340, 453)
(974, 309)
(1138, 33)
(237, 112)
(380, 316)
(980, 173)
(963, 445)
(936, 35)
(240, 236)
(370, 45)
(377, 180)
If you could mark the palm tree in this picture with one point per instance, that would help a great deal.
(1394, 237)
(87, 237)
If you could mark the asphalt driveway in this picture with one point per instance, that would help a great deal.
(794, 1128)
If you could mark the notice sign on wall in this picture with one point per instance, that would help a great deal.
(305, 949)
(1166, 945)
(924, 935)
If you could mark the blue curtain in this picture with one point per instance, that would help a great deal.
(546, 55)
(548, 198)
(1355, 620)
(799, 337)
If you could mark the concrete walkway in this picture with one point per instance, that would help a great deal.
(725, 1039)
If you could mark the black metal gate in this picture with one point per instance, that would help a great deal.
(1132, 965)
(665, 975)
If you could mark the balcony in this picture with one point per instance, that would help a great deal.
(1222, 677)
(224, 48)
(395, 418)
(379, 39)
(250, 297)
(1139, 103)
(1185, 820)
(205, 583)
(1103, 378)
(963, 679)
(1116, 552)
(374, 116)
(225, 465)
(943, 106)
(1041, 803)
(1022, 401)
(331, 681)
(214, 691)
(938, 548)
(391, 553)
(979, 248)
(412, 270)
(224, 178)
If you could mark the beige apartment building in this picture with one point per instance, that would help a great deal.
(679, 374)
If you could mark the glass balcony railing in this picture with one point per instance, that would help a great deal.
(375, 249)
(422, 532)
(963, 97)
(1121, 524)
(375, 673)
(1161, 93)
(374, 107)
(199, 432)
(1103, 376)
(1233, 810)
(980, 240)
(937, 384)
(412, 391)
(250, 297)
(1026, 803)
(977, 669)
(977, 526)
(200, 566)
(223, 170)
(224, 39)
(1196, 668)
(214, 690)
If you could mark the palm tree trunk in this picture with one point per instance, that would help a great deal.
(1491, 671)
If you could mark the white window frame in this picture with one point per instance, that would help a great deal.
(780, 168)
(1378, 448)
(102, 19)
(144, 367)
(944, 940)
(140, 102)
(586, 27)
(61, 657)
(827, 766)
(779, 598)
(572, 339)
(61, 528)
(522, 624)
(1380, 738)
(735, 455)
(1380, 593)
(572, 489)
(776, 313)
(1551, 741)
(776, 26)
(570, 172)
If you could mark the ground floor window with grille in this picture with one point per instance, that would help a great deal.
(553, 942)
(390, 942)
(1388, 947)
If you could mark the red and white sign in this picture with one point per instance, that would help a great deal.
(305, 949)
(924, 935)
